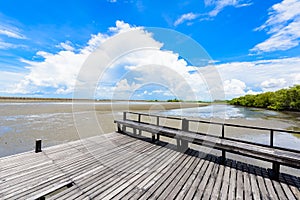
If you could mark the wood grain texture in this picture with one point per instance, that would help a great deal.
(118, 166)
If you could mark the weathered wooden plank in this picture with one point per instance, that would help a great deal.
(269, 184)
(211, 181)
(232, 181)
(157, 167)
(253, 182)
(154, 177)
(210, 173)
(216, 192)
(71, 165)
(207, 165)
(225, 183)
(188, 184)
(166, 180)
(294, 185)
(240, 182)
(156, 184)
(279, 191)
(124, 167)
(247, 186)
(121, 185)
(50, 174)
(174, 186)
(111, 178)
(289, 194)
(262, 188)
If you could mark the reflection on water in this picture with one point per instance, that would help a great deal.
(21, 124)
(225, 112)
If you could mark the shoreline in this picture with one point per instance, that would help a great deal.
(59, 123)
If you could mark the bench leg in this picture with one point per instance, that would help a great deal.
(157, 136)
(119, 128)
(134, 131)
(140, 132)
(178, 144)
(184, 145)
(153, 137)
(275, 170)
(223, 157)
(123, 129)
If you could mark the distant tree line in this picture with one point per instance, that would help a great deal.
(284, 99)
(174, 100)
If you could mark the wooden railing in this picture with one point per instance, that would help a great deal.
(184, 135)
(185, 126)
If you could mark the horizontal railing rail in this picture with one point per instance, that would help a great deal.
(272, 131)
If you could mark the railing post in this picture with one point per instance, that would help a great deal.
(157, 123)
(223, 136)
(275, 170)
(223, 131)
(139, 120)
(38, 146)
(124, 127)
(184, 144)
(271, 138)
(185, 125)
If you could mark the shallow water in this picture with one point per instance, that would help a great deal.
(223, 111)
(245, 116)
(53, 122)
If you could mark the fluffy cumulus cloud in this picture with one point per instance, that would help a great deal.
(148, 72)
(283, 26)
(234, 87)
(254, 77)
(149, 69)
(57, 72)
(273, 84)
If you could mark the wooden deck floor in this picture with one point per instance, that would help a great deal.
(117, 166)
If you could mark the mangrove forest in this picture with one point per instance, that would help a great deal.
(284, 99)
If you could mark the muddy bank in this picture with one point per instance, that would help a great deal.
(58, 122)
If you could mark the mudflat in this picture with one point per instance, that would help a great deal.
(23, 122)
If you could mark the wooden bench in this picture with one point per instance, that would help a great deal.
(278, 156)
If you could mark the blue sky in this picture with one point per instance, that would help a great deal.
(253, 45)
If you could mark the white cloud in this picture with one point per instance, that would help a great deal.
(11, 33)
(283, 26)
(185, 17)
(234, 88)
(6, 45)
(219, 5)
(122, 27)
(8, 79)
(273, 84)
(66, 46)
(259, 76)
(296, 78)
(167, 69)
(58, 71)
(128, 74)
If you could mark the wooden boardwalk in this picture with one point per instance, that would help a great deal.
(117, 166)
